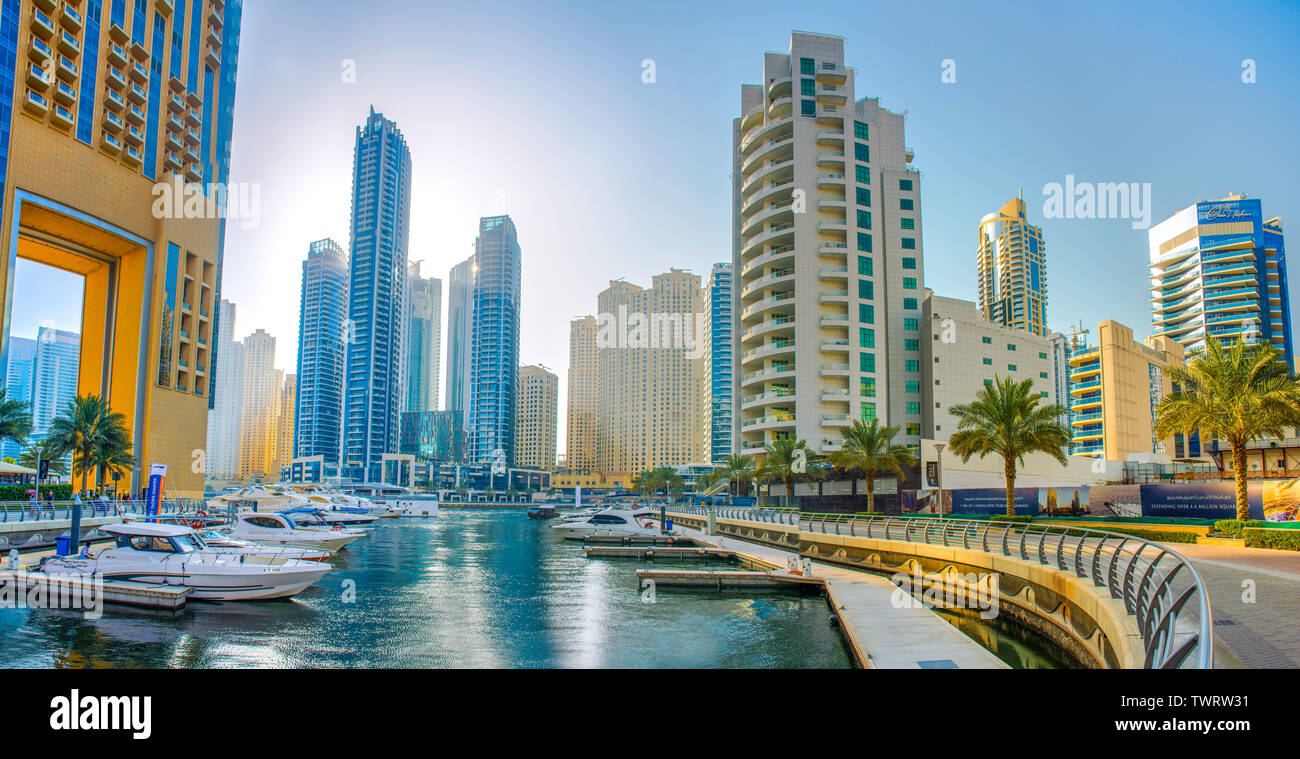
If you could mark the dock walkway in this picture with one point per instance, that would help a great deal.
(883, 634)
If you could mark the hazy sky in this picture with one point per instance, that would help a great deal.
(538, 110)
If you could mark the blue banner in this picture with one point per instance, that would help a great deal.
(157, 474)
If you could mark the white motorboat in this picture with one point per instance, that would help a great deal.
(172, 554)
(619, 522)
(280, 530)
(219, 542)
(416, 505)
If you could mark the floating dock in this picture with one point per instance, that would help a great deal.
(641, 540)
(658, 552)
(720, 579)
(147, 595)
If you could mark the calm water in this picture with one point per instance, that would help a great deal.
(472, 588)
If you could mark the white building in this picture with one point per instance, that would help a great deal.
(225, 420)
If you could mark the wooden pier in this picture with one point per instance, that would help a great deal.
(658, 552)
(147, 595)
(720, 579)
(641, 540)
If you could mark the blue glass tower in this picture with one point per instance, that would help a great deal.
(322, 349)
(377, 292)
(721, 437)
(494, 343)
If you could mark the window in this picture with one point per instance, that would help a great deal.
(809, 108)
(1011, 367)
(861, 152)
(905, 184)
(914, 429)
(867, 313)
(986, 340)
(909, 263)
(867, 387)
(1042, 355)
(866, 337)
(913, 407)
(912, 325)
(866, 290)
(859, 130)
(864, 266)
(1011, 346)
(864, 242)
(988, 362)
(806, 66)
(912, 365)
(909, 243)
(1042, 375)
(909, 283)
(864, 219)
(908, 223)
(862, 174)
(867, 363)
(909, 304)
(906, 204)
(864, 196)
(912, 344)
(913, 386)
(807, 87)
(868, 411)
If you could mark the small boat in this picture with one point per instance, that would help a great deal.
(542, 511)
(415, 504)
(219, 542)
(621, 522)
(278, 529)
(173, 554)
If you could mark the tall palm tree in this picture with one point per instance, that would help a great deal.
(1005, 418)
(43, 450)
(870, 449)
(781, 462)
(737, 469)
(92, 432)
(15, 419)
(1239, 393)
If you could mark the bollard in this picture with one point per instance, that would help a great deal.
(13, 558)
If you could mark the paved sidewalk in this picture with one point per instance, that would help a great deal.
(892, 638)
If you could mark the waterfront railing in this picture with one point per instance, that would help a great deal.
(25, 511)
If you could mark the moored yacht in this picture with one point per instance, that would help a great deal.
(620, 522)
(172, 554)
(277, 529)
(219, 542)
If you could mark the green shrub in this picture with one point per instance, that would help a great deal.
(18, 493)
(868, 513)
(1008, 518)
(1260, 537)
(1234, 527)
(1159, 536)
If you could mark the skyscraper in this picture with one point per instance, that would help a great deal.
(322, 350)
(1012, 269)
(494, 342)
(424, 348)
(537, 405)
(54, 375)
(18, 382)
(651, 373)
(259, 440)
(460, 331)
(225, 420)
(381, 210)
(582, 402)
(110, 114)
(284, 421)
(1218, 269)
(827, 229)
(718, 296)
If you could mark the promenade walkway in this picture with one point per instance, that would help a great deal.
(887, 636)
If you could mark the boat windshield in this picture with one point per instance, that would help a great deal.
(188, 543)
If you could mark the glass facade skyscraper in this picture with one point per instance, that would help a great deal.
(1012, 270)
(322, 351)
(54, 375)
(377, 292)
(494, 342)
(718, 300)
(460, 329)
(424, 346)
(19, 372)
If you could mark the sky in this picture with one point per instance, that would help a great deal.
(539, 110)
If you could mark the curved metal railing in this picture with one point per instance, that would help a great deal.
(25, 511)
(1158, 587)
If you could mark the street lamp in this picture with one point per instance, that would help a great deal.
(938, 475)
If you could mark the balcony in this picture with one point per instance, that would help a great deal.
(175, 84)
(833, 296)
(69, 44)
(35, 104)
(213, 57)
(194, 173)
(62, 117)
(772, 349)
(777, 277)
(138, 51)
(193, 117)
(833, 249)
(833, 272)
(835, 370)
(37, 79)
(115, 54)
(64, 93)
(134, 115)
(137, 94)
(767, 399)
(46, 5)
(173, 162)
(139, 72)
(134, 136)
(39, 51)
(132, 157)
(69, 19)
(772, 256)
(110, 144)
(67, 70)
(837, 420)
(771, 325)
(830, 180)
(835, 320)
(194, 99)
(118, 34)
(829, 158)
(772, 372)
(765, 422)
(192, 137)
(113, 123)
(164, 7)
(174, 123)
(173, 142)
(42, 26)
(831, 72)
(115, 78)
(176, 103)
(833, 226)
(835, 346)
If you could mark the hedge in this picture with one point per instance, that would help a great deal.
(1009, 518)
(18, 493)
(1235, 526)
(1260, 537)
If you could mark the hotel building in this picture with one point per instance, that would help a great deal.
(1115, 385)
(582, 402)
(651, 374)
(1218, 269)
(963, 351)
(494, 342)
(101, 101)
(828, 255)
(377, 311)
(322, 352)
(537, 405)
(1012, 269)
(259, 440)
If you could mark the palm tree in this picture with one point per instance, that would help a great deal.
(43, 450)
(1006, 418)
(15, 419)
(93, 433)
(1239, 393)
(781, 461)
(737, 469)
(870, 449)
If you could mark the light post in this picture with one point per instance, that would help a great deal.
(938, 476)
